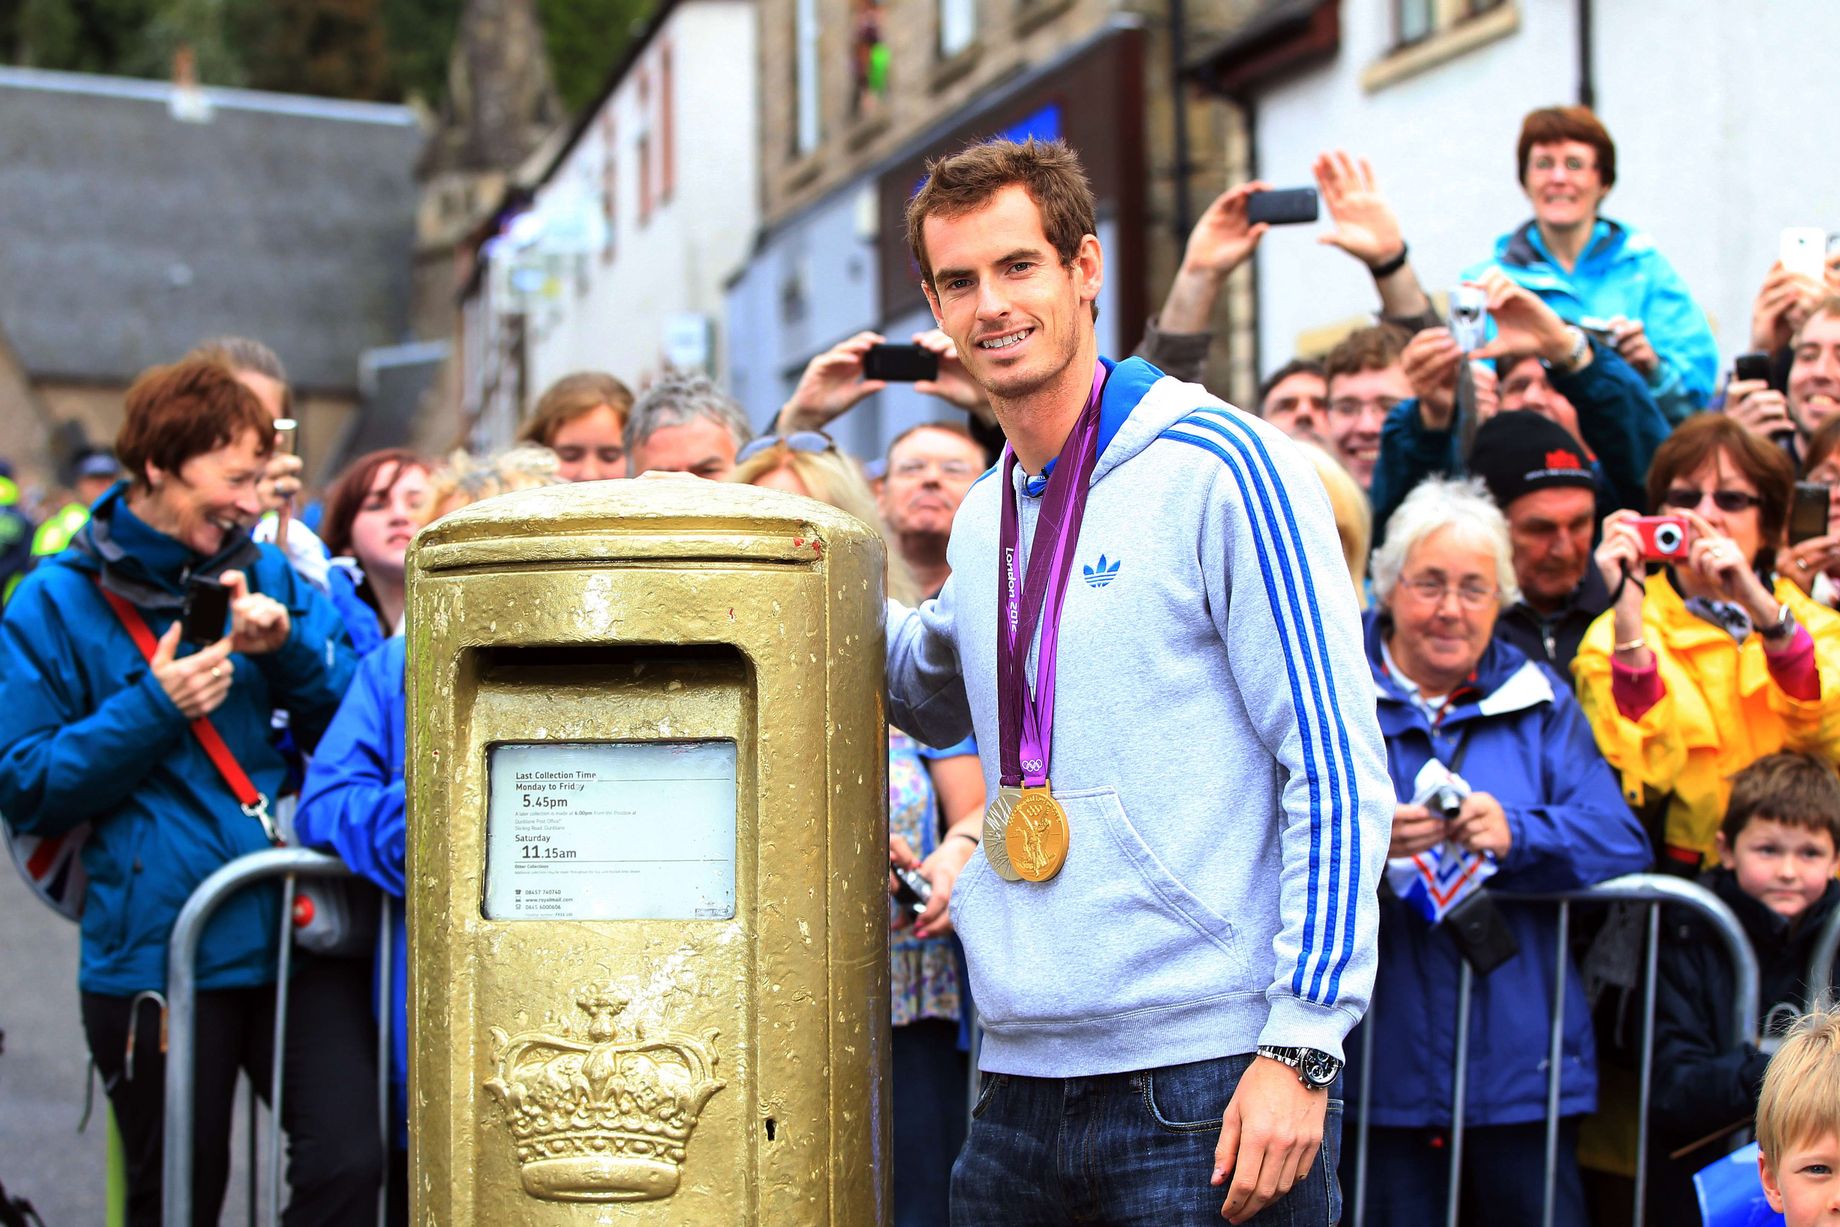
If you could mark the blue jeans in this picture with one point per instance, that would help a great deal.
(1127, 1150)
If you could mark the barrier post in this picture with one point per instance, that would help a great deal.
(1459, 1099)
(182, 1005)
(1821, 962)
(1653, 891)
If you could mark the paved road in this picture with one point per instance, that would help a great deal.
(42, 1156)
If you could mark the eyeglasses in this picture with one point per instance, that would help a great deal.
(955, 469)
(1686, 498)
(811, 442)
(1431, 590)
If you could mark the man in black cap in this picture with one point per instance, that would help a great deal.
(1538, 475)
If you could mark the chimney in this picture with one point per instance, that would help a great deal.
(188, 102)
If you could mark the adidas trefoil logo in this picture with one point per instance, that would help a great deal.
(1101, 575)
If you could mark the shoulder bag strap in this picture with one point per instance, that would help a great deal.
(253, 802)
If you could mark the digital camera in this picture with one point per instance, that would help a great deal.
(1664, 538)
(1469, 317)
(1446, 802)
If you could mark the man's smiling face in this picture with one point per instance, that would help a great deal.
(1000, 291)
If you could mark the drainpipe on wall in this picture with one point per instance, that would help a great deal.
(1178, 98)
(1587, 78)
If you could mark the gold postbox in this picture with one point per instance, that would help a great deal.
(647, 861)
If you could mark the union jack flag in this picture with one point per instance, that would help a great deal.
(52, 866)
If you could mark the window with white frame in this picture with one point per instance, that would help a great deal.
(1415, 21)
(807, 130)
(957, 26)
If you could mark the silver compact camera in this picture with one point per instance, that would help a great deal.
(1469, 317)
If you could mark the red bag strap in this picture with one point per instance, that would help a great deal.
(253, 802)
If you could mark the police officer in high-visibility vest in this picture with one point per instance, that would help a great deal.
(15, 533)
(96, 470)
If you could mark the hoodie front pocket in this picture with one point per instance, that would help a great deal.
(1113, 933)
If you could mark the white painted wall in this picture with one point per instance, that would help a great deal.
(1716, 107)
(609, 315)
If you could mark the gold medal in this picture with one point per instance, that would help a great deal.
(1037, 839)
(996, 828)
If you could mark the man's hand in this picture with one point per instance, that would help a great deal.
(1782, 305)
(1631, 341)
(280, 480)
(258, 623)
(196, 684)
(1482, 826)
(1220, 242)
(1523, 323)
(1365, 226)
(1759, 408)
(954, 386)
(1415, 829)
(831, 385)
(1430, 361)
(1269, 1136)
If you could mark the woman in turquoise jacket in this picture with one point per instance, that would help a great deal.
(96, 735)
(1601, 274)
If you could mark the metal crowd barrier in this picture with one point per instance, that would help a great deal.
(182, 1004)
(1821, 960)
(1653, 890)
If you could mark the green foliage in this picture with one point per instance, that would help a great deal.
(386, 50)
(586, 39)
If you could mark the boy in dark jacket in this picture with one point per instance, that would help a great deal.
(1778, 849)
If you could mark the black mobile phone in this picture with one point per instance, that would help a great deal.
(900, 363)
(1751, 366)
(912, 891)
(1808, 512)
(207, 609)
(1282, 206)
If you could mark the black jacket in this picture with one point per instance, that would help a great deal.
(1554, 638)
(1706, 1077)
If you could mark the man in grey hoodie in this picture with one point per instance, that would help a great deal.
(1169, 941)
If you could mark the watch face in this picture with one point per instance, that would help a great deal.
(1318, 1068)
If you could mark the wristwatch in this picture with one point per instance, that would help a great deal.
(1316, 1070)
(1780, 630)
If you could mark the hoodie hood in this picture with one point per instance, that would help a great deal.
(1126, 425)
(154, 587)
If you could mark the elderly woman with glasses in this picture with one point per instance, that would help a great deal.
(1711, 661)
(1500, 792)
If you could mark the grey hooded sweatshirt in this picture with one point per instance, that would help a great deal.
(1215, 749)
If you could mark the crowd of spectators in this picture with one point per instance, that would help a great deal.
(1599, 641)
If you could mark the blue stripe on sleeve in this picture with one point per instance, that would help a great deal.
(1313, 778)
(1351, 889)
(1261, 474)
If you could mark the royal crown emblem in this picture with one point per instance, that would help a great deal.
(605, 1119)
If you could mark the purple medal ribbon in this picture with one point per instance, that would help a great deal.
(1026, 717)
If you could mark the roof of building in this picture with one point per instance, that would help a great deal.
(139, 219)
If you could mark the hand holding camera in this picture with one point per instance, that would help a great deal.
(928, 883)
(1415, 829)
(1430, 360)
(1631, 341)
(1759, 408)
(258, 623)
(1481, 825)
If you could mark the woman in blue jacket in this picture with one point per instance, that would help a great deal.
(1499, 782)
(97, 733)
(1600, 273)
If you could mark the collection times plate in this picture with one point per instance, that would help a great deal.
(610, 831)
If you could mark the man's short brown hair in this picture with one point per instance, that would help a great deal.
(1550, 125)
(950, 428)
(1366, 349)
(184, 410)
(968, 180)
(1797, 790)
(1828, 306)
